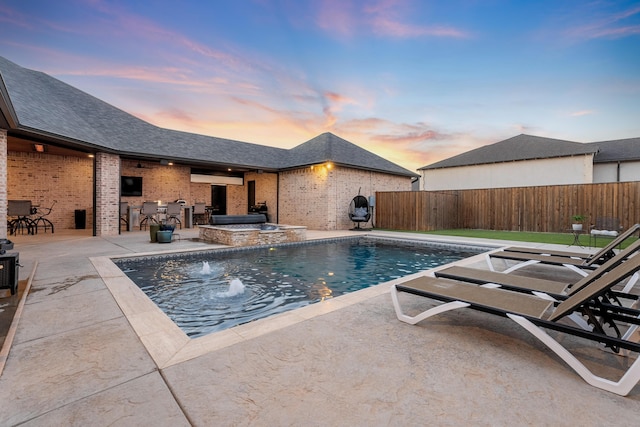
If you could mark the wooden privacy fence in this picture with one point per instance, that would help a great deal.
(541, 209)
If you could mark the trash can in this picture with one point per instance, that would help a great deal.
(81, 219)
(9, 263)
(153, 232)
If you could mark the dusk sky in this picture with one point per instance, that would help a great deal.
(414, 81)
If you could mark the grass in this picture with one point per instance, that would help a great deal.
(523, 236)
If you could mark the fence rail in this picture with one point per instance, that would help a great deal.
(541, 209)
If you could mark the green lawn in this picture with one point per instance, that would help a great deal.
(521, 236)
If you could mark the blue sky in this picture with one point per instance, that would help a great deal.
(414, 81)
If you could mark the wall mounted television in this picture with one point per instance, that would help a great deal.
(131, 186)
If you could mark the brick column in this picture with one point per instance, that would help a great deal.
(107, 194)
(3, 183)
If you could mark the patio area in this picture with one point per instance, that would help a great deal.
(76, 359)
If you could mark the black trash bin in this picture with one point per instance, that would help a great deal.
(81, 219)
(9, 263)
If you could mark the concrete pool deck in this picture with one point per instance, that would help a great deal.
(79, 357)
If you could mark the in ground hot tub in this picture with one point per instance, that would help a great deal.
(252, 234)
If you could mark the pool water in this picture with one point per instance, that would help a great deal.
(201, 292)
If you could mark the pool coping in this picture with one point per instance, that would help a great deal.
(168, 345)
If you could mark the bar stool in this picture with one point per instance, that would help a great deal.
(21, 210)
(173, 213)
(124, 214)
(41, 220)
(149, 210)
(199, 213)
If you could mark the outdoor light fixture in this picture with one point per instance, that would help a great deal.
(40, 148)
(164, 162)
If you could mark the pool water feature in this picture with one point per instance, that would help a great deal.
(201, 293)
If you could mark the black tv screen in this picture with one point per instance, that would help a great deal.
(131, 186)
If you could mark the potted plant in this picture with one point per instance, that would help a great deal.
(165, 234)
(577, 222)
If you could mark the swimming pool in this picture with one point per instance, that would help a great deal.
(200, 292)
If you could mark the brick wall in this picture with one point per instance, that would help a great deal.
(200, 192)
(319, 196)
(266, 191)
(107, 194)
(45, 178)
(159, 182)
(304, 196)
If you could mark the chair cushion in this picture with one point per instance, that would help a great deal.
(604, 233)
(361, 212)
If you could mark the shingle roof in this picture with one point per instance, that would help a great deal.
(328, 147)
(45, 105)
(521, 147)
(618, 150)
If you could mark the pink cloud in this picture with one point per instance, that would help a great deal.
(610, 26)
(337, 16)
(582, 113)
(13, 17)
(384, 26)
(384, 18)
(338, 98)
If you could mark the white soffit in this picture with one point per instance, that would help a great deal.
(217, 180)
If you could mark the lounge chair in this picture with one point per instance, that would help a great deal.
(578, 263)
(601, 255)
(535, 285)
(536, 314)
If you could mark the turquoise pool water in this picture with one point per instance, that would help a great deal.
(216, 290)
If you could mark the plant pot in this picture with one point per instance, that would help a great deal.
(153, 230)
(164, 236)
(576, 227)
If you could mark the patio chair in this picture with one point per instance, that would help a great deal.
(149, 211)
(124, 214)
(359, 210)
(604, 227)
(601, 255)
(536, 314)
(174, 210)
(200, 213)
(20, 212)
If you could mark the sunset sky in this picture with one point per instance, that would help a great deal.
(414, 81)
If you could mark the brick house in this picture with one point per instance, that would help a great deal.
(61, 144)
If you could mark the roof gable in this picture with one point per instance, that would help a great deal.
(521, 147)
(328, 147)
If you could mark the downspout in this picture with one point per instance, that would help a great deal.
(618, 172)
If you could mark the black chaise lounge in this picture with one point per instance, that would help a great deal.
(594, 301)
